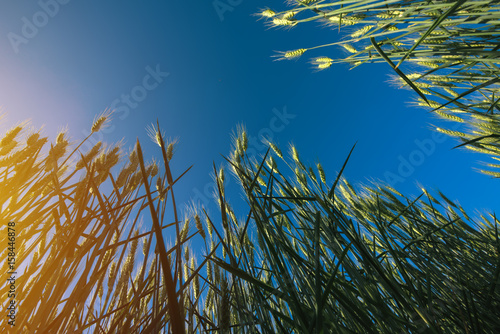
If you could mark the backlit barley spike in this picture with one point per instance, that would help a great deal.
(453, 133)
(154, 134)
(451, 91)
(321, 173)
(154, 169)
(271, 163)
(413, 76)
(283, 22)
(170, 151)
(334, 19)
(261, 181)
(10, 135)
(6, 149)
(196, 281)
(361, 31)
(431, 104)
(32, 139)
(324, 66)
(289, 15)
(349, 48)
(322, 60)
(199, 226)
(122, 177)
(448, 116)
(221, 175)
(210, 231)
(185, 230)
(89, 156)
(239, 147)
(276, 150)
(101, 121)
(244, 141)
(295, 154)
(144, 247)
(294, 54)
(429, 64)
(311, 174)
(267, 13)
(112, 276)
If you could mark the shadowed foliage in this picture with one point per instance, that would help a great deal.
(327, 258)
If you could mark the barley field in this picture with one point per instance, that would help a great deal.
(94, 241)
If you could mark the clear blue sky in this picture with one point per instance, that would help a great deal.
(61, 65)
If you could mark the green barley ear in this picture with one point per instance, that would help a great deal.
(244, 140)
(362, 31)
(294, 54)
(324, 66)
(294, 153)
(196, 280)
(185, 230)
(276, 150)
(271, 163)
(281, 22)
(267, 13)
(349, 48)
(289, 15)
(321, 173)
(221, 175)
(209, 229)
(323, 60)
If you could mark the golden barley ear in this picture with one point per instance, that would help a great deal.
(101, 120)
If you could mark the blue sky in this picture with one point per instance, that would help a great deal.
(63, 62)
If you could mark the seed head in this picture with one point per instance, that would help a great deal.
(6, 149)
(9, 136)
(89, 156)
(60, 138)
(283, 22)
(32, 139)
(122, 176)
(295, 154)
(349, 48)
(276, 150)
(322, 60)
(267, 13)
(294, 54)
(101, 121)
(199, 226)
(244, 141)
(323, 66)
(361, 31)
(154, 169)
(221, 175)
(321, 173)
(289, 15)
(170, 151)
(155, 134)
